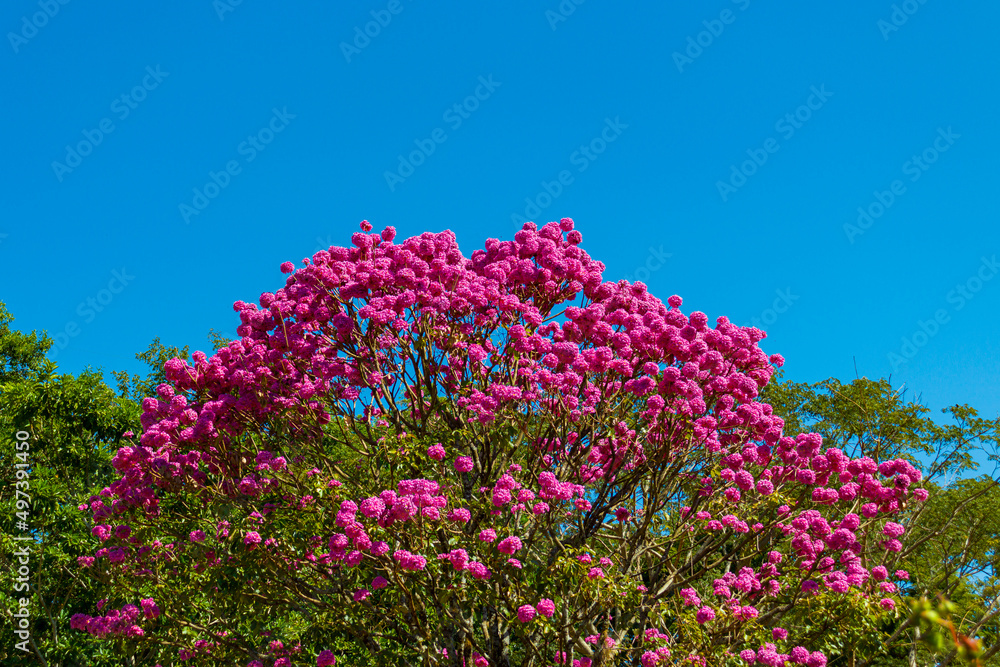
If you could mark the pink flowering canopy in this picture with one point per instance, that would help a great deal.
(500, 459)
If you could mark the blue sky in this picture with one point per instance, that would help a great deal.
(163, 159)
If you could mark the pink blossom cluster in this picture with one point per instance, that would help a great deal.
(117, 622)
(768, 655)
(523, 331)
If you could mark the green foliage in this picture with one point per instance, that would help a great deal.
(20, 353)
(74, 425)
(136, 387)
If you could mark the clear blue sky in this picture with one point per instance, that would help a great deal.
(644, 127)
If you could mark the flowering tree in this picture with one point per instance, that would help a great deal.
(495, 460)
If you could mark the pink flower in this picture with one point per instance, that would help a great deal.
(817, 659)
(690, 597)
(326, 659)
(287, 267)
(197, 536)
(409, 561)
(478, 570)
(779, 634)
(252, 539)
(372, 507)
(379, 582)
(463, 464)
(893, 529)
(501, 497)
(525, 613)
(510, 545)
(595, 573)
(361, 594)
(458, 558)
(459, 515)
(488, 535)
(436, 452)
(149, 608)
(902, 574)
(704, 615)
(546, 607)
(800, 655)
(887, 604)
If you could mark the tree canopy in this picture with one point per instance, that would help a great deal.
(408, 456)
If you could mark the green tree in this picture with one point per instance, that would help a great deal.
(136, 387)
(73, 425)
(20, 353)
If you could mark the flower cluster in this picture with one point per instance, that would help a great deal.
(508, 403)
(117, 622)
